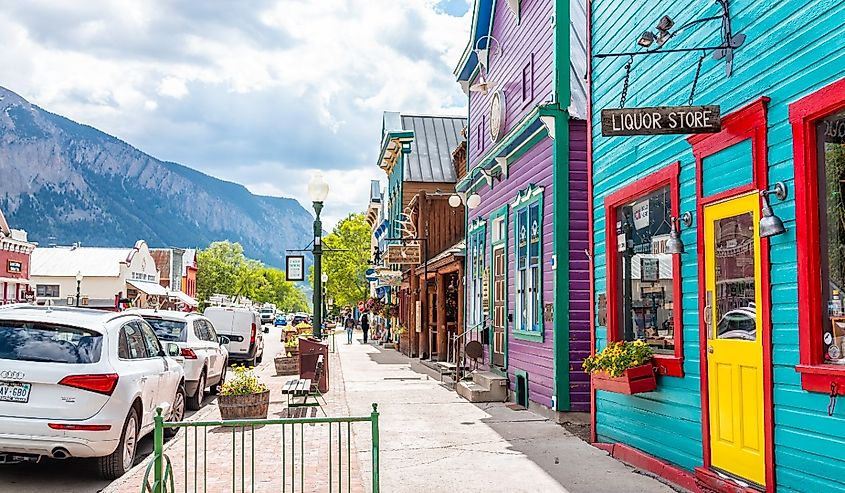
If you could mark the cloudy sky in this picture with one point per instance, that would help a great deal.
(259, 92)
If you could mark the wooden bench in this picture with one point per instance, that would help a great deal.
(298, 390)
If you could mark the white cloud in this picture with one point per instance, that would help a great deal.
(257, 92)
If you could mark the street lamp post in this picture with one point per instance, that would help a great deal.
(78, 286)
(318, 189)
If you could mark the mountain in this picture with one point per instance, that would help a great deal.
(65, 182)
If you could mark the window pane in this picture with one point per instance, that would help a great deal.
(35, 341)
(735, 307)
(535, 232)
(646, 273)
(168, 330)
(134, 341)
(522, 239)
(535, 298)
(831, 145)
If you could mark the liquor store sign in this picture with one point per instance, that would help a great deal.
(661, 120)
(402, 255)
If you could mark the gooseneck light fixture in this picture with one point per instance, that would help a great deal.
(664, 33)
(318, 190)
(471, 201)
(770, 224)
(483, 54)
(674, 245)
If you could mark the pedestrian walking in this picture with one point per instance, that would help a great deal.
(365, 326)
(349, 325)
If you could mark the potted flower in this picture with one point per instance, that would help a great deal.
(287, 360)
(622, 367)
(244, 396)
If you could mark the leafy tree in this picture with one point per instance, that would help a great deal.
(223, 268)
(347, 265)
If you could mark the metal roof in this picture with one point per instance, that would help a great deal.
(66, 262)
(435, 137)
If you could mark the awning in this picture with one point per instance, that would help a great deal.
(152, 288)
(184, 298)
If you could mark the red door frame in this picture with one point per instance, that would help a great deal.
(748, 122)
(803, 115)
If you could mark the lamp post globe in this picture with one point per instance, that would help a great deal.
(79, 278)
(318, 190)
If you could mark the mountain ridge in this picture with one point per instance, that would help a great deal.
(64, 182)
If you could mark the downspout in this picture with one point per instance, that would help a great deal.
(560, 189)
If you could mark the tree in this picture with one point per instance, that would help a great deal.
(222, 268)
(347, 266)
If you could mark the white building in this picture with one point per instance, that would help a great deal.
(107, 277)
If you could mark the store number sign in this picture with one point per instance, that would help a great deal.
(661, 120)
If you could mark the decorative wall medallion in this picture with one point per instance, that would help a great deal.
(497, 115)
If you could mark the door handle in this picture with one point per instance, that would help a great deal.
(710, 349)
(708, 314)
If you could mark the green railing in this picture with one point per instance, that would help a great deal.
(195, 472)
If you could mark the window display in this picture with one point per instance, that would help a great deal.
(645, 271)
(830, 134)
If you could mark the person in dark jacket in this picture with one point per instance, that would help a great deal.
(349, 325)
(365, 325)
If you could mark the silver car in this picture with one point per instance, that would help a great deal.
(205, 354)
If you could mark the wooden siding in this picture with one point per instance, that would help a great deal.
(534, 34)
(438, 221)
(792, 49)
(412, 188)
(579, 267)
(535, 166)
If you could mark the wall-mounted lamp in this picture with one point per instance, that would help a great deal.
(502, 161)
(483, 54)
(482, 86)
(770, 224)
(729, 41)
(472, 201)
(455, 201)
(674, 245)
(548, 121)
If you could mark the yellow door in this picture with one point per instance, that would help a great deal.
(732, 318)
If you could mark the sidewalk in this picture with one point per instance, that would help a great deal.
(433, 440)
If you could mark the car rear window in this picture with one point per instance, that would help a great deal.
(35, 341)
(168, 330)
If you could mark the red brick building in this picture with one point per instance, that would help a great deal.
(15, 253)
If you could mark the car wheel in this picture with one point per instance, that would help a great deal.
(215, 389)
(121, 460)
(195, 401)
(177, 412)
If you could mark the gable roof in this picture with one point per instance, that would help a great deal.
(66, 262)
(432, 140)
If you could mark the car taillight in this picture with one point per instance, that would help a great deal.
(101, 384)
(61, 426)
(252, 337)
(188, 353)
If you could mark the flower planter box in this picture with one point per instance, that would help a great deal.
(287, 365)
(249, 406)
(634, 381)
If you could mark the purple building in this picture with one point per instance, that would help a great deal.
(527, 271)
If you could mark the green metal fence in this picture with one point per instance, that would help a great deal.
(293, 453)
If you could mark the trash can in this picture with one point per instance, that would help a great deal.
(309, 350)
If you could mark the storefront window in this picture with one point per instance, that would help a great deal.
(645, 273)
(830, 139)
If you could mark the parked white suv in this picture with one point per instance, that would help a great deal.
(206, 357)
(242, 326)
(82, 383)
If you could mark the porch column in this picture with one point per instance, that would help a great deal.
(425, 308)
(413, 335)
(442, 333)
(460, 285)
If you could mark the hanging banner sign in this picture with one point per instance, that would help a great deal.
(295, 268)
(661, 120)
(402, 255)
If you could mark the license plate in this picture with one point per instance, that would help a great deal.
(14, 391)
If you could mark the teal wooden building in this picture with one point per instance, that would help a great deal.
(745, 314)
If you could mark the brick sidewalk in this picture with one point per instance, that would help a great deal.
(311, 443)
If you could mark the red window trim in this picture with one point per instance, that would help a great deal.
(816, 376)
(671, 365)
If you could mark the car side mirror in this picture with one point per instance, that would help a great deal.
(173, 349)
(266, 330)
(223, 340)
